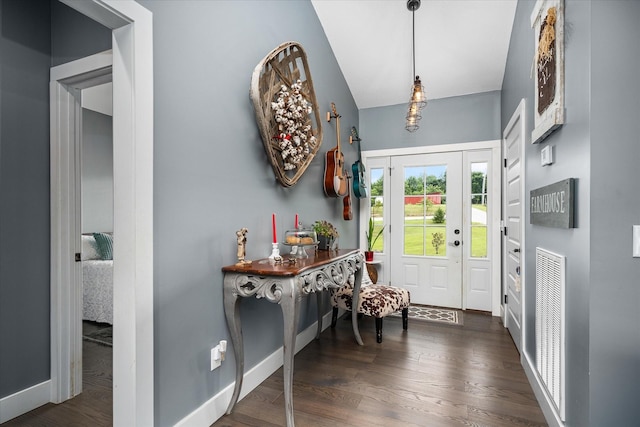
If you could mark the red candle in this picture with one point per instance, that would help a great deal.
(273, 225)
(296, 221)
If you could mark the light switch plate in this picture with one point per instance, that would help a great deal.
(636, 241)
(546, 156)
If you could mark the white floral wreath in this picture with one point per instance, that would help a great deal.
(292, 111)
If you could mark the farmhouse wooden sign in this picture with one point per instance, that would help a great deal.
(553, 205)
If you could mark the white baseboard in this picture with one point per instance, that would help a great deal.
(24, 401)
(214, 408)
(550, 414)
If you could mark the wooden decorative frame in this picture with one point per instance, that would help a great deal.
(547, 20)
(284, 65)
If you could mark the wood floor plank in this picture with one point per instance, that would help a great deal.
(432, 375)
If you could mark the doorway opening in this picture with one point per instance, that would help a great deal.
(132, 68)
(440, 208)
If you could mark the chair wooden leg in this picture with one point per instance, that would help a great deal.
(405, 318)
(379, 329)
(334, 317)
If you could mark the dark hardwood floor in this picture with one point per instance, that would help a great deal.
(431, 375)
(92, 407)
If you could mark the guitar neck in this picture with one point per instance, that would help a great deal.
(338, 132)
(337, 117)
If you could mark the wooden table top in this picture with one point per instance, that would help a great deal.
(266, 267)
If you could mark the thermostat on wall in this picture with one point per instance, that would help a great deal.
(546, 155)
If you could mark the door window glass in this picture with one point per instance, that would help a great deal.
(376, 178)
(425, 210)
(478, 215)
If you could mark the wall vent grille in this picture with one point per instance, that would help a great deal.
(550, 324)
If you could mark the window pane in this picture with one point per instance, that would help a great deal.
(376, 178)
(425, 210)
(478, 215)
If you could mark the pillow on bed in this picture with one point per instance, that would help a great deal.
(105, 245)
(89, 248)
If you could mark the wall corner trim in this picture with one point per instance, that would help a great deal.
(24, 401)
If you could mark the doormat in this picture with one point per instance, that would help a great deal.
(432, 314)
(101, 336)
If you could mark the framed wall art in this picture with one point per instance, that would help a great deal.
(547, 20)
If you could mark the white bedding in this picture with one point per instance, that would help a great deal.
(97, 281)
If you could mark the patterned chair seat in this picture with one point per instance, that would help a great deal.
(375, 300)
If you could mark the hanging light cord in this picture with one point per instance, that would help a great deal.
(413, 15)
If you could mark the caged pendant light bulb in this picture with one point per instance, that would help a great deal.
(418, 98)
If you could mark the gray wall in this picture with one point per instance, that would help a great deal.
(458, 119)
(614, 317)
(27, 51)
(212, 177)
(74, 35)
(572, 160)
(24, 194)
(596, 145)
(97, 172)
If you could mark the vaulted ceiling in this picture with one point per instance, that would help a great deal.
(461, 46)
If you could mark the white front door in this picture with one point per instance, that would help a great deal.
(427, 227)
(513, 214)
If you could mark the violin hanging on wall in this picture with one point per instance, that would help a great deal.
(335, 183)
(347, 211)
(359, 184)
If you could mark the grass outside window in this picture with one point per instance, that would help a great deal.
(418, 238)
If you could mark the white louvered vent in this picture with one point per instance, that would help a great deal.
(550, 321)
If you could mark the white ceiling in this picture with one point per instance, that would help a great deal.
(461, 46)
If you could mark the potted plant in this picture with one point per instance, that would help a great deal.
(371, 239)
(327, 234)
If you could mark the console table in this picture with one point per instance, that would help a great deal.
(285, 284)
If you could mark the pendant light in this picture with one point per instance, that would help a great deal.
(418, 98)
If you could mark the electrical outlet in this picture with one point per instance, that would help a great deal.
(216, 357)
(217, 354)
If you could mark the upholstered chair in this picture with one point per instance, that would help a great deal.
(375, 300)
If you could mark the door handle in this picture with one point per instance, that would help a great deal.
(516, 250)
(455, 243)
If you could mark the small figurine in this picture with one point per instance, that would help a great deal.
(242, 243)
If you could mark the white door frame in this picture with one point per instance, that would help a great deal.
(495, 147)
(518, 118)
(132, 69)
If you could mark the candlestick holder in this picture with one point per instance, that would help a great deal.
(275, 253)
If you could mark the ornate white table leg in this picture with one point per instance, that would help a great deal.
(354, 301)
(232, 313)
(320, 307)
(290, 304)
